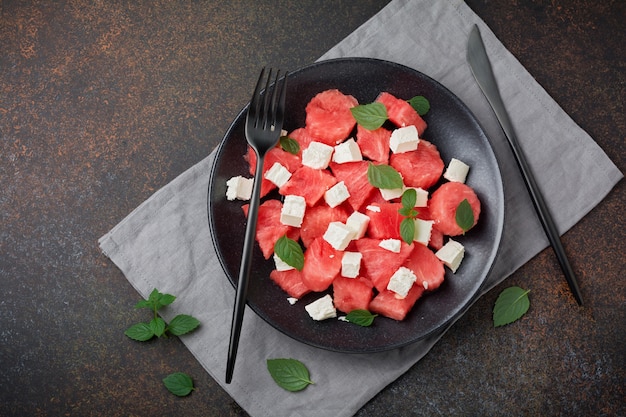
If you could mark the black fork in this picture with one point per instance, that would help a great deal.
(263, 125)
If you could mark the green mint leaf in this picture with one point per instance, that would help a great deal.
(407, 230)
(384, 176)
(182, 324)
(158, 300)
(370, 116)
(290, 252)
(157, 325)
(289, 374)
(408, 212)
(361, 317)
(289, 144)
(144, 304)
(511, 304)
(409, 198)
(179, 384)
(420, 104)
(140, 332)
(464, 215)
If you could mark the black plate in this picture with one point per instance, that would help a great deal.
(455, 131)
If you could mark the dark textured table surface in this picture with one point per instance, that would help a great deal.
(103, 103)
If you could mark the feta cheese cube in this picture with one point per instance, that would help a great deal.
(336, 194)
(392, 245)
(317, 155)
(457, 171)
(281, 265)
(357, 222)
(373, 207)
(338, 235)
(278, 174)
(401, 281)
(347, 151)
(322, 308)
(421, 195)
(404, 139)
(292, 300)
(239, 188)
(423, 229)
(293, 210)
(451, 254)
(391, 193)
(351, 264)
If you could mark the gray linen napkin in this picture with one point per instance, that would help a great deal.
(165, 242)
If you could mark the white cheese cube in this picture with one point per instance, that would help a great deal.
(336, 194)
(347, 151)
(239, 188)
(421, 195)
(278, 174)
(401, 281)
(404, 139)
(317, 155)
(283, 132)
(322, 308)
(373, 207)
(293, 210)
(451, 254)
(423, 229)
(292, 300)
(338, 235)
(351, 264)
(391, 193)
(392, 245)
(281, 265)
(456, 171)
(357, 222)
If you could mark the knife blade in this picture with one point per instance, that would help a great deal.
(483, 73)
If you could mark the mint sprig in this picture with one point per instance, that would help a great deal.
(179, 384)
(361, 317)
(384, 176)
(370, 116)
(290, 252)
(464, 215)
(289, 374)
(511, 305)
(420, 104)
(407, 225)
(289, 144)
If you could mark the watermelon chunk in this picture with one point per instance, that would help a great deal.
(444, 202)
(387, 304)
(328, 116)
(385, 224)
(303, 137)
(401, 113)
(352, 293)
(379, 264)
(269, 228)
(290, 281)
(322, 264)
(426, 266)
(317, 219)
(289, 161)
(419, 168)
(354, 176)
(374, 144)
(309, 183)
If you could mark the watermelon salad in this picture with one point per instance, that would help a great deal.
(366, 214)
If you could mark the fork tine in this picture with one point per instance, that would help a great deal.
(254, 109)
(279, 113)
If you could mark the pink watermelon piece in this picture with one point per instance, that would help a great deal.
(374, 144)
(317, 219)
(401, 113)
(290, 281)
(322, 264)
(354, 176)
(444, 202)
(379, 264)
(303, 137)
(309, 183)
(426, 266)
(352, 293)
(289, 161)
(419, 168)
(328, 116)
(387, 304)
(384, 224)
(269, 228)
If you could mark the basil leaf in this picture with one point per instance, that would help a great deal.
(289, 374)
(407, 230)
(290, 145)
(361, 317)
(384, 176)
(511, 304)
(182, 324)
(420, 104)
(179, 384)
(409, 198)
(290, 252)
(370, 116)
(157, 325)
(140, 332)
(464, 215)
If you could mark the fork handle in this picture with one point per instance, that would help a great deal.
(244, 270)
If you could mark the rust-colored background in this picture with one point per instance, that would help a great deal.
(104, 102)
